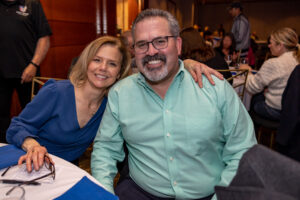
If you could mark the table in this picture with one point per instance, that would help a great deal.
(67, 175)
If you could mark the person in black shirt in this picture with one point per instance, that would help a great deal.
(24, 43)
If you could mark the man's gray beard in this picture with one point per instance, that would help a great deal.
(156, 74)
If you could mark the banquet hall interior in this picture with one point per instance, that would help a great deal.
(75, 23)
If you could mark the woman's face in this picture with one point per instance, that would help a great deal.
(104, 69)
(276, 49)
(227, 42)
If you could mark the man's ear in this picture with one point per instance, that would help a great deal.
(179, 44)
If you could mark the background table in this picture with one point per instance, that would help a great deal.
(66, 176)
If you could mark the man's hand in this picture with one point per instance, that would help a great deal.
(197, 69)
(28, 73)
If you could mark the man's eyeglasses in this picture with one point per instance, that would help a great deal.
(47, 164)
(158, 43)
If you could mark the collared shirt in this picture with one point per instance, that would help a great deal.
(241, 32)
(180, 146)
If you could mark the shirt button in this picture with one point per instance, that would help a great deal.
(175, 183)
(171, 158)
(168, 134)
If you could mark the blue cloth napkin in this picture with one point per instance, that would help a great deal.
(10, 155)
(87, 189)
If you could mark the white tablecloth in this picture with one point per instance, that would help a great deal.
(67, 175)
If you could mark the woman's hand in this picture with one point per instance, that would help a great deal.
(197, 69)
(245, 66)
(35, 154)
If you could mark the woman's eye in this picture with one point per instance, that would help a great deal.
(113, 64)
(96, 60)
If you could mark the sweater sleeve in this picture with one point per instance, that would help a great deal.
(267, 73)
(34, 115)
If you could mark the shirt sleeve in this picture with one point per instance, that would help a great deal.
(108, 145)
(241, 30)
(33, 116)
(267, 73)
(238, 131)
(41, 25)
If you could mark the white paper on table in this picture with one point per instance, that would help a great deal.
(21, 173)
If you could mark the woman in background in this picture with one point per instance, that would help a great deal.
(194, 47)
(274, 73)
(227, 46)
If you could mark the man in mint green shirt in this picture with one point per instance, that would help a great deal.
(182, 140)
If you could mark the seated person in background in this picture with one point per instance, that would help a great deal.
(227, 47)
(64, 116)
(127, 39)
(194, 47)
(182, 140)
(274, 73)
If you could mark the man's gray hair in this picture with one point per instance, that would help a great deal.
(148, 13)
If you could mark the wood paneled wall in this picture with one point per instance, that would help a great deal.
(74, 24)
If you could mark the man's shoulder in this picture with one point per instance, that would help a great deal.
(207, 86)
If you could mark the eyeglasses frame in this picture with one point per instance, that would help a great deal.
(164, 37)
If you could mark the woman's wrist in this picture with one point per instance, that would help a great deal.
(29, 144)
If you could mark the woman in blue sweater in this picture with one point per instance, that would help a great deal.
(64, 116)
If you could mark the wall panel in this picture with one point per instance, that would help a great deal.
(71, 33)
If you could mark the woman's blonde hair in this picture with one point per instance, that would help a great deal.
(289, 38)
(78, 74)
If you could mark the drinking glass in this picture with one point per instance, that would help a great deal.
(228, 59)
(243, 61)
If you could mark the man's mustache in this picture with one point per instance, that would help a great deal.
(148, 58)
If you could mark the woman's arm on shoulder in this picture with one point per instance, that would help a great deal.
(197, 69)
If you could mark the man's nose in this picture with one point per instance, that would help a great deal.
(151, 49)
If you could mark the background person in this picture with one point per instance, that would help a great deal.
(274, 73)
(227, 47)
(64, 116)
(24, 44)
(240, 28)
(194, 47)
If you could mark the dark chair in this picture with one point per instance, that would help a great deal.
(288, 135)
(265, 126)
(263, 174)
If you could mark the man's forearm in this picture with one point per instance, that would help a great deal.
(41, 50)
